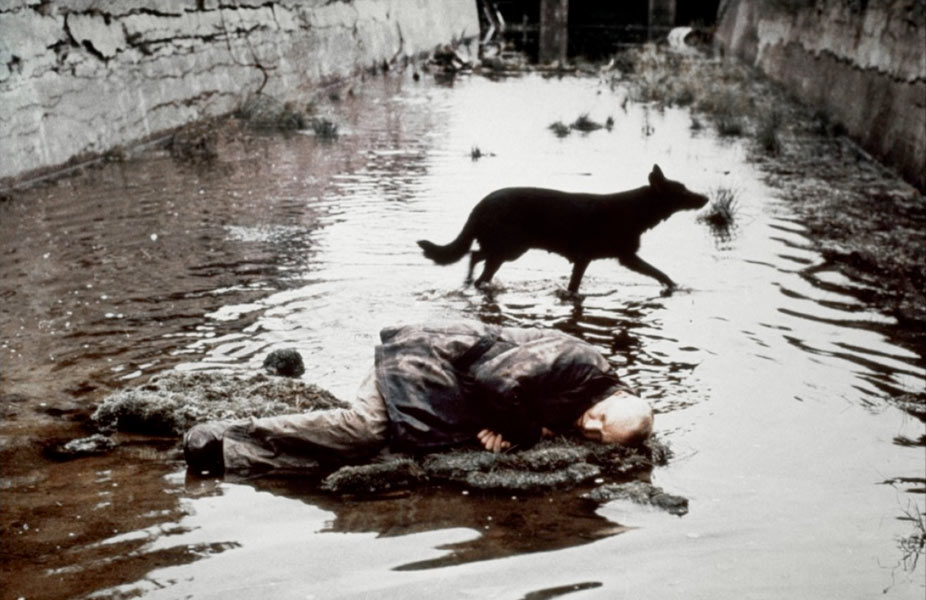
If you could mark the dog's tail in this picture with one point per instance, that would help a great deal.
(452, 252)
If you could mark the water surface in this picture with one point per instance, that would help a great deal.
(771, 378)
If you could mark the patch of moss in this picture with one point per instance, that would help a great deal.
(171, 403)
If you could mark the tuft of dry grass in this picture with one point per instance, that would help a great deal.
(721, 214)
(560, 129)
(585, 123)
(476, 153)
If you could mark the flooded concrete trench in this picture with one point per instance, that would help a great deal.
(774, 377)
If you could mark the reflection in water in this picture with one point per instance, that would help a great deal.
(562, 590)
(506, 526)
(770, 369)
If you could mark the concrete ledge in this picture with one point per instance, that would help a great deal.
(861, 63)
(79, 77)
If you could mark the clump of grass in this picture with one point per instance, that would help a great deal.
(609, 123)
(767, 133)
(585, 124)
(696, 124)
(913, 545)
(476, 153)
(325, 129)
(560, 129)
(721, 214)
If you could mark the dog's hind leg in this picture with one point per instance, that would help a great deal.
(491, 266)
(578, 270)
(474, 257)
(635, 263)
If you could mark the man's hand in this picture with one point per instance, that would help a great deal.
(492, 441)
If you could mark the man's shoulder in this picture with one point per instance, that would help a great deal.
(435, 329)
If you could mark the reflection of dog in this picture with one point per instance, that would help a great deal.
(581, 227)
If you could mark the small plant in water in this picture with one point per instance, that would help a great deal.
(585, 123)
(560, 129)
(325, 129)
(609, 123)
(476, 153)
(721, 213)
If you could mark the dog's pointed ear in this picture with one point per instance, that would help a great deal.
(656, 178)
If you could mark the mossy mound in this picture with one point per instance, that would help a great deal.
(171, 403)
(560, 463)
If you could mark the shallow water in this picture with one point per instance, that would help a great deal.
(771, 378)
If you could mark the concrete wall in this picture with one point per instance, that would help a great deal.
(861, 61)
(78, 77)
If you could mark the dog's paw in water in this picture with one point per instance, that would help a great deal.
(568, 296)
(674, 289)
(489, 288)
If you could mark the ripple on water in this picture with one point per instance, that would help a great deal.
(768, 367)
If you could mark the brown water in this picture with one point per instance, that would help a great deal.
(771, 378)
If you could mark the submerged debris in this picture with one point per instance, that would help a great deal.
(451, 58)
(171, 403)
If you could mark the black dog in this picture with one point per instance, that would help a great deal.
(581, 227)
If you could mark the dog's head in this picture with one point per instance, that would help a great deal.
(675, 192)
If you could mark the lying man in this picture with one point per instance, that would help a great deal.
(435, 386)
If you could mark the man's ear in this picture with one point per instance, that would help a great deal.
(656, 178)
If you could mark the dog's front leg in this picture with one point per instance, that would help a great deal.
(578, 270)
(635, 263)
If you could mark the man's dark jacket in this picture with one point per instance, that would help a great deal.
(443, 383)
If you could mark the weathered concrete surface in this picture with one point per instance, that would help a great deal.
(863, 63)
(79, 77)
